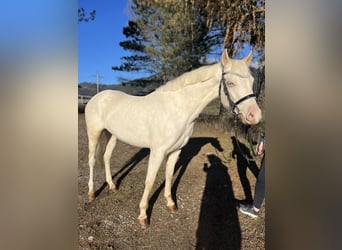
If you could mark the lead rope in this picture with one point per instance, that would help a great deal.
(248, 159)
(249, 139)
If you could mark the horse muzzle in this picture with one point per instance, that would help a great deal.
(253, 115)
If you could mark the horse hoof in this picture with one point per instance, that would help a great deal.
(172, 208)
(143, 223)
(91, 196)
(112, 189)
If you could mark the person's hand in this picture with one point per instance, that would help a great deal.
(260, 148)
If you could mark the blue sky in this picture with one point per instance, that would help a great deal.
(98, 41)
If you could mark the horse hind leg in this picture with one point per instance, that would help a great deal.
(106, 157)
(170, 167)
(93, 138)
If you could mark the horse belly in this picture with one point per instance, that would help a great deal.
(134, 137)
(129, 129)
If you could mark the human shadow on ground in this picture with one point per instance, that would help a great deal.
(218, 226)
(128, 167)
(189, 151)
(244, 161)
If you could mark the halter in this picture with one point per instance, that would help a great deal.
(231, 103)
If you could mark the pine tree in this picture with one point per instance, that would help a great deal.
(139, 61)
(166, 39)
(169, 37)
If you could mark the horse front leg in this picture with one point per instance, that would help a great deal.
(170, 167)
(155, 160)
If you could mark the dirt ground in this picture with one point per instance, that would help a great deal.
(206, 187)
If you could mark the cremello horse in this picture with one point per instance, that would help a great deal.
(163, 120)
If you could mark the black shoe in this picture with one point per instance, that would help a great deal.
(248, 209)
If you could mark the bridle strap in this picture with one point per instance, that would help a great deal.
(242, 99)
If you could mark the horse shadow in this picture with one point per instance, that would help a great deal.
(124, 171)
(244, 161)
(190, 150)
(218, 226)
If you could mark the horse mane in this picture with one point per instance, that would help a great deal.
(199, 75)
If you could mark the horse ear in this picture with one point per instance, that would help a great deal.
(248, 59)
(225, 57)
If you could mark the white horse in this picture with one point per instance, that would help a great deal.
(163, 120)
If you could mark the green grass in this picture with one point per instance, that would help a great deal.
(213, 108)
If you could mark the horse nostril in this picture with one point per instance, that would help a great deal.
(254, 115)
(250, 116)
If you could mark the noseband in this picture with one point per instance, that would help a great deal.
(225, 89)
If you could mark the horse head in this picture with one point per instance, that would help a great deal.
(236, 88)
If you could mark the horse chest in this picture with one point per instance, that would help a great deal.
(183, 138)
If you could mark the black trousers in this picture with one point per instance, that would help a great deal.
(259, 194)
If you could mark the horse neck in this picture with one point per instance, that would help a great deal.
(197, 96)
(193, 77)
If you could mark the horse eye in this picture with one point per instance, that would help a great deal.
(231, 84)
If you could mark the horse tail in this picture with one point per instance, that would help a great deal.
(101, 148)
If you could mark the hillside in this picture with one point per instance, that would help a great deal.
(141, 86)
